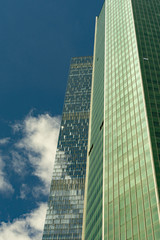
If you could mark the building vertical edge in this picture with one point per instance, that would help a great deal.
(103, 205)
(89, 133)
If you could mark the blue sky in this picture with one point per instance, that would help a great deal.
(38, 39)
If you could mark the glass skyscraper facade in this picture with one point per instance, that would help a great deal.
(65, 206)
(94, 183)
(123, 164)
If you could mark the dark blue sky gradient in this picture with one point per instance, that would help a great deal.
(38, 38)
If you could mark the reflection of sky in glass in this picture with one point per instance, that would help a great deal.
(65, 211)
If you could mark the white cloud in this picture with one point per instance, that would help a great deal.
(4, 140)
(5, 186)
(28, 227)
(38, 144)
(24, 190)
(18, 163)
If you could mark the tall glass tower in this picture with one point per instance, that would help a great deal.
(123, 164)
(65, 206)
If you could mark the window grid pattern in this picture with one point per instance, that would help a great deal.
(65, 206)
(93, 224)
(147, 23)
(130, 207)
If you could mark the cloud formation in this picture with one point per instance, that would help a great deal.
(38, 143)
(24, 190)
(19, 162)
(5, 186)
(28, 227)
(4, 140)
(36, 146)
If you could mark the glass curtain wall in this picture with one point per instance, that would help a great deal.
(65, 205)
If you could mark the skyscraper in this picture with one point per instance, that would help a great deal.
(65, 206)
(122, 189)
